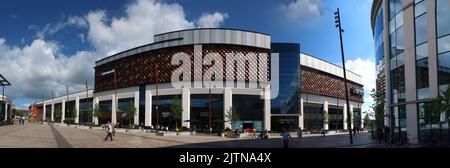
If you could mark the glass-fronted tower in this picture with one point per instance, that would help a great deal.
(412, 42)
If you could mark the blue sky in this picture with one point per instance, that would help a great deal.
(79, 31)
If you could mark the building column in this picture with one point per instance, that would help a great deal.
(136, 105)
(63, 113)
(300, 118)
(113, 109)
(186, 104)
(325, 110)
(77, 110)
(53, 112)
(345, 117)
(95, 119)
(227, 104)
(351, 117)
(267, 108)
(45, 109)
(148, 107)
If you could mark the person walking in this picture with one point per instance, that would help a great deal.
(109, 132)
(299, 134)
(286, 136)
(322, 131)
(141, 128)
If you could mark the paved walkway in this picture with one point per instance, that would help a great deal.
(45, 136)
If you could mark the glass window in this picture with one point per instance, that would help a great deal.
(443, 17)
(420, 8)
(162, 116)
(422, 51)
(312, 116)
(199, 114)
(250, 109)
(85, 114)
(421, 29)
(444, 69)
(400, 40)
(444, 44)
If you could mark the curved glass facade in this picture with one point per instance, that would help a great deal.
(397, 65)
(421, 43)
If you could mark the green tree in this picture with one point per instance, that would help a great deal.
(131, 111)
(444, 98)
(325, 117)
(232, 115)
(97, 113)
(57, 114)
(176, 111)
(367, 121)
(378, 108)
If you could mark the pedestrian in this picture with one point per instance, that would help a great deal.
(322, 131)
(109, 132)
(286, 136)
(299, 134)
(113, 130)
(141, 128)
(354, 130)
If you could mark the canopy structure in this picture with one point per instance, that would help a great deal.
(3, 81)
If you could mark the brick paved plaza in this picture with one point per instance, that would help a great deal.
(46, 136)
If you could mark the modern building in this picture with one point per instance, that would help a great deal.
(412, 41)
(5, 108)
(208, 72)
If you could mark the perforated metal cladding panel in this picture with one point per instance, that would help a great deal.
(141, 68)
(321, 83)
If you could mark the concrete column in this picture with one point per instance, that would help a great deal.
(136, 105)
(345, 117)
(432, 50)
(300, 118)
(95, 119)
(113, 109)
(45, 109)
(148, 107)
(53, 112)
(186, 104)
(77, 110)
(267, 108)
(63, 113)
(227, 104)
(351, 117)
(325, 110)
(412, 122)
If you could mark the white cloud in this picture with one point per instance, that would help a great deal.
(38, 67)
(144, 18)
(211, 20)
(365, 68)
(51, 29)
(302, 10)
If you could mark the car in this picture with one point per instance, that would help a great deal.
(249, 130)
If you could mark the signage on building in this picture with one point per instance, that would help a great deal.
(109, 72)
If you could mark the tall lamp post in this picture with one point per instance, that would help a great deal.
(338, 25)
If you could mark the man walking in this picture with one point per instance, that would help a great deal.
(109, 132)
(299, 134)
(286, 136)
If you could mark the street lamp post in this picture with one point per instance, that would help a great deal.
(338, 25)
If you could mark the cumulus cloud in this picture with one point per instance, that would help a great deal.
(39, 67)
(144, 18)
(365, 68)
(51, 29)
(208, 20)
(302, 10)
